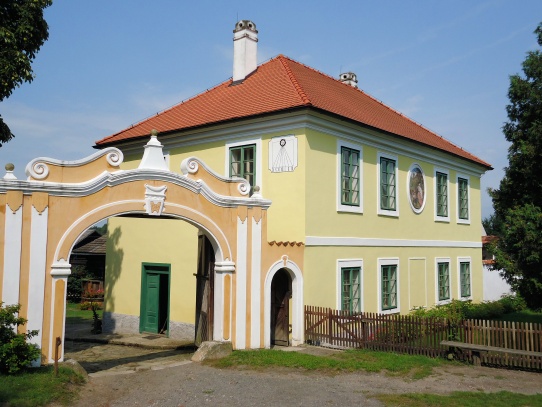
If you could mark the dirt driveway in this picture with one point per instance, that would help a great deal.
(176, 381)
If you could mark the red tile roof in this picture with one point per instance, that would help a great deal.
(278, 85)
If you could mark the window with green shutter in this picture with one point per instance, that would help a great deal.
(350, 176)
(442, 194)
(243, 163)
(463, 198)
(443, 281)
(464, 278)
(389, 286)
(387, 184)
(351, 289)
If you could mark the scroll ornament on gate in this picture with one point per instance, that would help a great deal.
(154, 199)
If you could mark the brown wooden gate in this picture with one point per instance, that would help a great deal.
(204, 291)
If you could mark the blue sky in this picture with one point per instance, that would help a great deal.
(108, 64)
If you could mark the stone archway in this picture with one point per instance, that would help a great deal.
(42, 217)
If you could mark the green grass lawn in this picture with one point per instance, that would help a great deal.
(462, 399)
(416, 367)
(74, 315)
(38, 387)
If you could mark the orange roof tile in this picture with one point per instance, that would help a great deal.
(278, 85)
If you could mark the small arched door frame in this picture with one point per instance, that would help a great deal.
(298, 328)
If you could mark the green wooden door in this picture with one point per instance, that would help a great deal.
(152, 303)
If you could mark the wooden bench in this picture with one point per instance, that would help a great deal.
(478, 349)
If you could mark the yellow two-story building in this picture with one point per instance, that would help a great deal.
(386, 215)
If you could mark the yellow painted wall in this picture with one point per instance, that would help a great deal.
(415, 289)
(322, 218)
(133, 241)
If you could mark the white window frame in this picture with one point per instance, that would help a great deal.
(437, 261)
(459, 261)
(349, 263)
(340, 206)
(437, 217)
(459, 220)
(381, 211)
(391, 261)
(259, 156)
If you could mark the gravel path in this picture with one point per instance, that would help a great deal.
(162, 379)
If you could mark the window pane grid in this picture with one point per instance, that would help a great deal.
(442, 194)
(463, 197)
(443, 281)
(243, 163)
(350, 176)
(465, 278)
(387, 184)
(351, 289)
(389, 287)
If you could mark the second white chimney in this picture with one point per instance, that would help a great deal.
(245, 49)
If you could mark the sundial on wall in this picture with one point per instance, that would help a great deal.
(283, 153)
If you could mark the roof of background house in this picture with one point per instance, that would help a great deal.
(91, 243)
(278, 85)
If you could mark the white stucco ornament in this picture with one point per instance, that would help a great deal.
(153, 157)
(154, 199)
(283, 153)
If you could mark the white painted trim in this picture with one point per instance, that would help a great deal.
(340, 206)
(38, 168)
(57, 277)
(380, 211)
(107, 179)
(259, 157)
(410, 281)
(459, 261)
(424, 200)
(388, 261)
(349, 263)
(36, 278)
(191, 165)
(437, 261)
(293, 121)
(377, 242)
(241, 285)
(442, 171)
(255, 284)
(12, 255)
(462, 221)
(298, 327)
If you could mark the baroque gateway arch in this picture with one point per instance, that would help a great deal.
(42, 218)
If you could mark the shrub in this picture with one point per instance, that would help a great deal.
(15, 352)
(513, 303)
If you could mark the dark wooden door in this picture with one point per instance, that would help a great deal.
(281, 292)
(204, 291)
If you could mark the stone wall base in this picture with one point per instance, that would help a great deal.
(114, 323)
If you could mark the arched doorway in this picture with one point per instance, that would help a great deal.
(281, 293)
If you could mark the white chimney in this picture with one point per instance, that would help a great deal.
(245, 47)
(349, 78)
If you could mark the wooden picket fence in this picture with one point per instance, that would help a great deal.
(422, 336)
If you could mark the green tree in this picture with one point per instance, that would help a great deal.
(23, 30)
(518, 201)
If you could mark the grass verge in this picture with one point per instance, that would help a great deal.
(461, 399)
(522, 316)
(38, 387)
(415, 367)
(75, 315)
